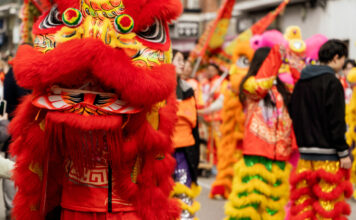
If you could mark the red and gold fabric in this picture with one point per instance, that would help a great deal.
(269, 131)
(89, 193)
(258, 86)
(319, 190)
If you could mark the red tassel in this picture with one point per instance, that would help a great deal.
(81, 138)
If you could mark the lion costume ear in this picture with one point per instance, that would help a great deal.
(145, 12)
(42, 5)
(31, 10)
(64, 4)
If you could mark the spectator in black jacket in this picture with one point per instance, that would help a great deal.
(318, 113)
(13, 93)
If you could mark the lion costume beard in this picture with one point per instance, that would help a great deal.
(135, 146)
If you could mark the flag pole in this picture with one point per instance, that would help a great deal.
(196, 66)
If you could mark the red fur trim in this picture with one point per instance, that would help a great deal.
(303, 216)
(64, 4)
(25, 114)
(296, 209)
(217, 190)
(336, 178)
(29, 148)
(340, 208)
(309, 176)
(158, 142)
(348, 189)
(89, 58)
(297, 193)
(344, 188)
(145, 11)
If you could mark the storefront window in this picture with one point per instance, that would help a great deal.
(193, 4)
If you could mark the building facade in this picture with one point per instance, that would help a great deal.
(9, 25)
(187, 29)
(333, 18)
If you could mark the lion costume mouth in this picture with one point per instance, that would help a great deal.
(83, 102)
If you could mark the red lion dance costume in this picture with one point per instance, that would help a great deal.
(94, 136)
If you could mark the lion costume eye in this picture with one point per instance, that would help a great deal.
(243, 62)
(155, 33)
(53, 19)
(124, 23)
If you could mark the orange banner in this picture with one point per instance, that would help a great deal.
(215, 32)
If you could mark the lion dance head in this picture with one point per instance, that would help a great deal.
(102, 96)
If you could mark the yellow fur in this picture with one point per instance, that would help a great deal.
(232, 130)
(183, 189)
(259, 169)
(191, 209)
(248, 212)
(192, 193)
(277, 216)
(350, 119)
(267, 190)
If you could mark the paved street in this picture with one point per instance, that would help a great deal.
(214, 210)
(210, 209)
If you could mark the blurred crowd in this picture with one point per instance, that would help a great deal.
(9, 98)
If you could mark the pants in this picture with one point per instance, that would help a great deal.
(8, 193)
(318, 191)
(260, 189)
(185, 190)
